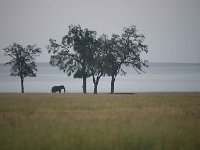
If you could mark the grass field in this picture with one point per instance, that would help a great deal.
(167, 121)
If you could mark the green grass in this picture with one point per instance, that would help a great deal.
(167, 121)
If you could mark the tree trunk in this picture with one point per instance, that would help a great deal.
(96, 82)
(22, 84)
(112, 84)
(95, 88)
(84, 85)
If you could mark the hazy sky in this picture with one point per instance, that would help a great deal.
(171, 27)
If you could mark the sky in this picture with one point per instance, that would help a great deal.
(171, 27)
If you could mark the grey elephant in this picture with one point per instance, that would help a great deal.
(55, 89)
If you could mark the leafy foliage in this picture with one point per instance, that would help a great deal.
(126, 49)
(23, 59)
(72, 55)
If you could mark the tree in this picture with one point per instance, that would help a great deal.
(125, 49)
(114, 58)
(97, 62)
(23, 61)
(74, 53)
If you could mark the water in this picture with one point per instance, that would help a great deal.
(159, 77)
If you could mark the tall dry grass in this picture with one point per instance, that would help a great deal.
(103, 121)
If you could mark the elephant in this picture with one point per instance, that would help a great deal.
(55, 89)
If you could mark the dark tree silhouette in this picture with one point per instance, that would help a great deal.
(23, 61)
(83, 55)
(97, 61)
(125, 49)
(74, 53)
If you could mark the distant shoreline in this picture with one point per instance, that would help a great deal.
(158, 77)
(117, 93)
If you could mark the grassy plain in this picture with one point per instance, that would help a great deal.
(151, 121)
